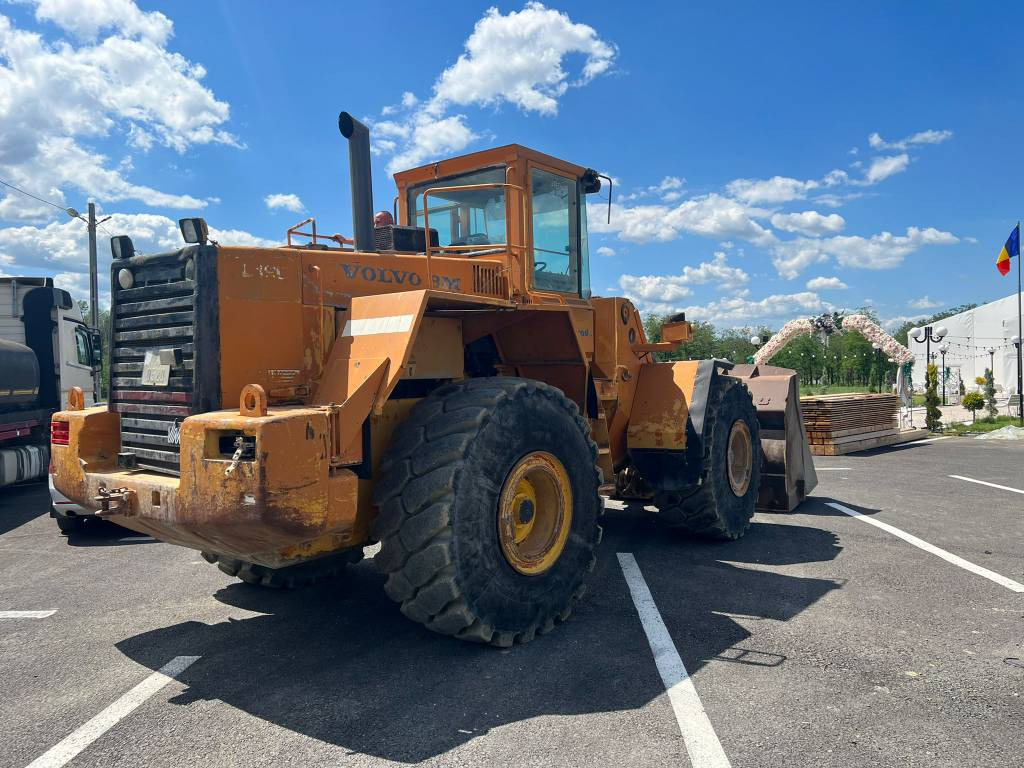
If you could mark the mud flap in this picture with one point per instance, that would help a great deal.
(787, 470)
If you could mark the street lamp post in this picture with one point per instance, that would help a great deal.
(943, 350)
(992, 361)
(1020, 395)
(878, 362)
(928, 335)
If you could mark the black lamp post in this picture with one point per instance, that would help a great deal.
(1020, 395)
(928, 335)
(943, 350)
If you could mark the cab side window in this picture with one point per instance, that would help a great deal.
(555, 248)
(83, 346)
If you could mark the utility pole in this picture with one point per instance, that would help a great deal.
(94, 298)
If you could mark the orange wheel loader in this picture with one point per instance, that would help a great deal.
(447, 387)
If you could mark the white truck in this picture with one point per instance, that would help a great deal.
(45, 349)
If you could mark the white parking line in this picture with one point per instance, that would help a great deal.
(702, 744)
(990, 485)
(26, 614)
(949, 557)
(74, 743)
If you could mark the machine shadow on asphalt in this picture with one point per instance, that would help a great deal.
(102, 533)
(340, 664)
(23, 504)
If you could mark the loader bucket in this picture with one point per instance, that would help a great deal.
(787, 469)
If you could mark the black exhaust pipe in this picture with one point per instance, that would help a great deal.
(358, 136)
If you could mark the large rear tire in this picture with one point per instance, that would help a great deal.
(488, 510)
(289, 577)
(723, 505)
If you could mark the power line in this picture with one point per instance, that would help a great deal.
(60, 208)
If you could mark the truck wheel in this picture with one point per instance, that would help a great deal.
(488, 510)
(289, 577)
(731, 475)
(68, 524)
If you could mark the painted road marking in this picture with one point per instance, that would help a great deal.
(928, 440)
(990, 485)
(831, 469)
(949, 557)
(702, 744)
(74, 743)
(26, 614)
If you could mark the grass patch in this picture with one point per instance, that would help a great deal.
(981, 425)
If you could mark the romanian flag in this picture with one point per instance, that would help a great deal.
(1011, 249)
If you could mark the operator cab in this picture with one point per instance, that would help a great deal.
(511, 200)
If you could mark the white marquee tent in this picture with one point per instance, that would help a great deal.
(969, 336)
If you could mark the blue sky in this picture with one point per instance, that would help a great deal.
(749, 187)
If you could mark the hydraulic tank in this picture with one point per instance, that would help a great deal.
(19, 376)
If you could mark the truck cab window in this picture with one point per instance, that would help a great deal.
(555, 235)
(466, 216)
(83, 346)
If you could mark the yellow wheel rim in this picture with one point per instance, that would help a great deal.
(740, 459)
(535, 513)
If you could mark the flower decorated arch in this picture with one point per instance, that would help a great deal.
(826, 325)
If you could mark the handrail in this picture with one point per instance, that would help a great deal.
(294, 230)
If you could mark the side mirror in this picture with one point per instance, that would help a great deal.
(97, 347)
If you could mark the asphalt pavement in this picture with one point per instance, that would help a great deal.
(817, 640)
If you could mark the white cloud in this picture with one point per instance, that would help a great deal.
(777, 189)
(287, 202)
(431, 137)
(605, 251)
(883, 167)
(882, 251)
(86, 18)
(922, 137)
(715, 271)
(520, 58)
(708, 215)
(774, 310)
(826, 283)
(61, 247)
(892, 323)
(924, 303)
(656, 293)
(809, 223)
(56, 97)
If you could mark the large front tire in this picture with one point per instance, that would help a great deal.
(723, 505)
(488, 510)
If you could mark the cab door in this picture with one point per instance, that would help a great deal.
(555, 240)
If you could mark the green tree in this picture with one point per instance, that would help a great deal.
(973, 402)
(932, 415)
(990, 394)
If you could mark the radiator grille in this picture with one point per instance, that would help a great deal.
(158, 313)
(488, 280)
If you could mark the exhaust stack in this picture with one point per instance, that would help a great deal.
(358, 136)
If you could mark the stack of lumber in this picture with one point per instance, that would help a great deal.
(839, 424)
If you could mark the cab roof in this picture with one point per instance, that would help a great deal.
(488, 157)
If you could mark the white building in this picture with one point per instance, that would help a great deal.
(969, 336)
